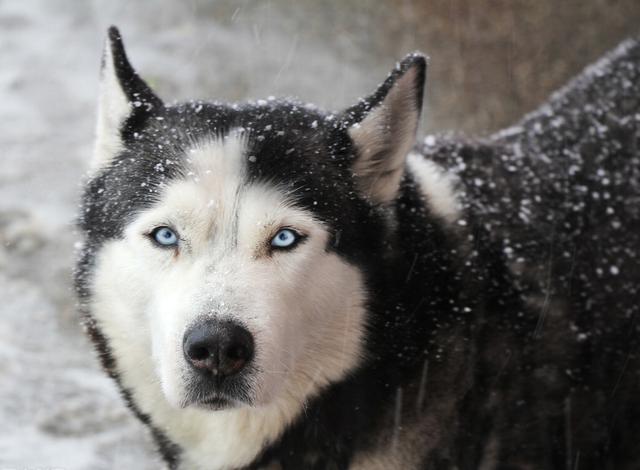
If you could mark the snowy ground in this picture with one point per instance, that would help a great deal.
(58, 409)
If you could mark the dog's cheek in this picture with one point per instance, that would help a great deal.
(280, 346)
(140, 305)
(312, 321)
(121, 291)
(335, 321)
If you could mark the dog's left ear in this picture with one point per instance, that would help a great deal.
(383, 129)
(123, 96)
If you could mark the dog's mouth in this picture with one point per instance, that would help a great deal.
(214, 402)
(210, 392)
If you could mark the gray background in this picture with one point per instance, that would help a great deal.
(491, 61)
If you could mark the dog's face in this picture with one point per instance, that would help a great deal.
(227, 246)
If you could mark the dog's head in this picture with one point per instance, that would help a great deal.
(228, 246)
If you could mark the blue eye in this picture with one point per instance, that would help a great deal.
(285, 238)
(164, 236)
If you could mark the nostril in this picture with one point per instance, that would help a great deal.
(201, 345)
(237, 352)
(197, 352)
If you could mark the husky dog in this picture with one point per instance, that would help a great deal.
(273, 286)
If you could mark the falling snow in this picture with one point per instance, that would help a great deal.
(63, 412)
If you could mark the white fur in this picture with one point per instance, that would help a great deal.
(113, 109)
(304, 307)
(437, 186)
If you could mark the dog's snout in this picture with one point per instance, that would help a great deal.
(221, 347)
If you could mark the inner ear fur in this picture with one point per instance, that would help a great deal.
(383, 129)
(122, 93)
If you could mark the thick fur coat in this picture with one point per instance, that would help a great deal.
(463, 304)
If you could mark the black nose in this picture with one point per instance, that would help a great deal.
(221, 347)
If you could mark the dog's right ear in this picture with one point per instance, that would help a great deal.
(123, 95)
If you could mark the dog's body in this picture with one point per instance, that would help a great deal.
(354, 308)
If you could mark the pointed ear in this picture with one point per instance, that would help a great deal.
(122, 94)
(383, 129)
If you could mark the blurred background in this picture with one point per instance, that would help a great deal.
(491, 62)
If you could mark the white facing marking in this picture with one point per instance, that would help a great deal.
(305, 308)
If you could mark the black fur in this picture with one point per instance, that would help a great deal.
(526, 333)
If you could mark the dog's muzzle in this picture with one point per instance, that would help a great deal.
(218, 356)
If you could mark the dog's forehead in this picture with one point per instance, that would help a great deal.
(301, 152)
(216, 182)
(281, 142)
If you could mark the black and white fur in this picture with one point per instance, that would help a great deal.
(472, 308)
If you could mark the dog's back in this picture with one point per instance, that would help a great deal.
(557, 200)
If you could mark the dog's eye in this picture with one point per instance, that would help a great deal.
(285, 239)
(164, 236)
